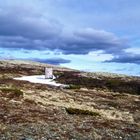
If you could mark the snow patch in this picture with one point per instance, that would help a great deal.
(40, 79)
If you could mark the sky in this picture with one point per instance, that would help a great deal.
(89, 35)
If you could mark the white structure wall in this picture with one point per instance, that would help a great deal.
(48, 73)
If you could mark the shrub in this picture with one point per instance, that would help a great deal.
(75, 80)
(76, 111)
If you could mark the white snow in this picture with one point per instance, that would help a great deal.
(40, 79)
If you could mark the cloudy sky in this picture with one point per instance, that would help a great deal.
(90, 35)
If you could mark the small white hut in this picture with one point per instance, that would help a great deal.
(48, 73)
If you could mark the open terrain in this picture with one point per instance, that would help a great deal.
(95, 106)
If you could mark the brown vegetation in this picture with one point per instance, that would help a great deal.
(112, 84)
(87, 109)
(77, 111)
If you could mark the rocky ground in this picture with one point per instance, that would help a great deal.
(96, 106)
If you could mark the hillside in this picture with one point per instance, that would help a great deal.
(95, 106)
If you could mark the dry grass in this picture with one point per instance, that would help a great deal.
(36, 111)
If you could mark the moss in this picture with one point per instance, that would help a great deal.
(13, 92)
(73, 87)
(58, 73)
(76, 111)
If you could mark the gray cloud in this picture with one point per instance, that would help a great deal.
(33, 31)
(85, 40)
(54, 61)
(15, 23)
(126, 58)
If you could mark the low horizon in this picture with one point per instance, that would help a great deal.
(84, 70)
(101, 36)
